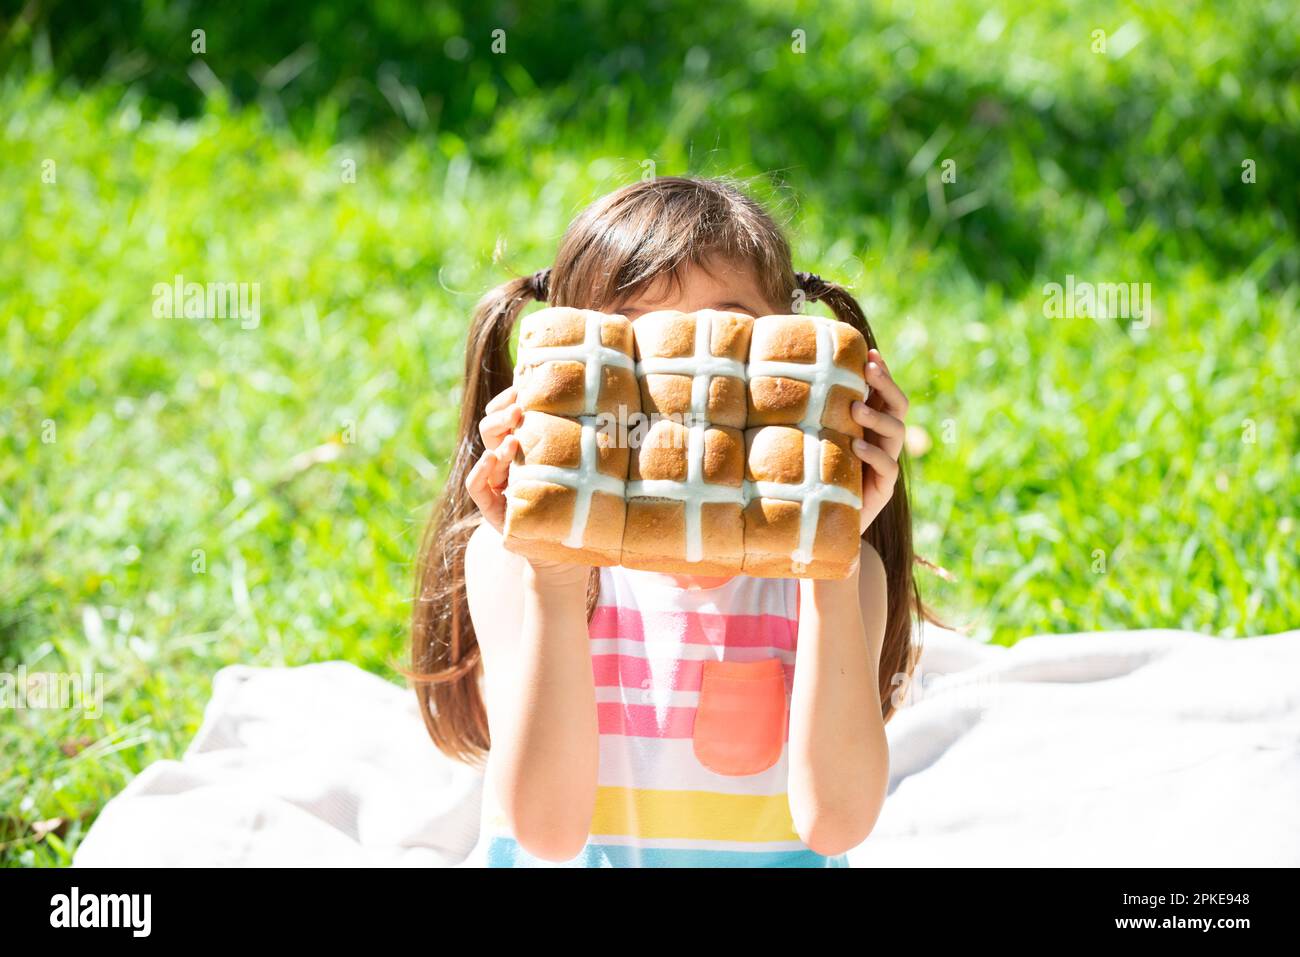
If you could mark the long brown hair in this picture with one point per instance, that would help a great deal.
(617, 246)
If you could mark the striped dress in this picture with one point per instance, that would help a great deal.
(692, 695)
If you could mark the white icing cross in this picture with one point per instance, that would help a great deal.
(820, 374)
(693, 493)
(585, 480)
(591, 352)
(701, 367)
(810, 493)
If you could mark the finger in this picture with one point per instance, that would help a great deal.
(480, 490)
(503, 455)
(487, 480)
(883, 466)
(873, 355)
(882, 428)
(486, 477)
(495, 426)
(885, 390)
(501, 399)
(495, 463)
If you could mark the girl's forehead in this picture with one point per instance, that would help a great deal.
(716, 284)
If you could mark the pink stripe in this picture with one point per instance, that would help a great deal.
(631, 672)
(647, 721)
(695, 627)
(644, 720)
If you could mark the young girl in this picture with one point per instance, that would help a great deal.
(608, 745)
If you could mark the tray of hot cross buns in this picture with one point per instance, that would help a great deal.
(708, 443)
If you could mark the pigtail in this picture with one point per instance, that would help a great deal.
(445, 658)
(840, 301)
(891, 533)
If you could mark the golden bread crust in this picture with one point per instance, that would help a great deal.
(746, 467)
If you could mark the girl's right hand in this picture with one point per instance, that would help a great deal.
(486, 482)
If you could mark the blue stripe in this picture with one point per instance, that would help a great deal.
(506, 852)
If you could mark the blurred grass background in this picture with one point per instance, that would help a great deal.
(1072, 474)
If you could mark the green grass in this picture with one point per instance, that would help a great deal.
(1057, 444)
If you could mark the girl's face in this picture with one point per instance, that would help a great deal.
(721, 285)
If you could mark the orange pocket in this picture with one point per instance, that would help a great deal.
(740, 722)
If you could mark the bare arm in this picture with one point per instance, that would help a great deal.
(839, 755)
(531, 624)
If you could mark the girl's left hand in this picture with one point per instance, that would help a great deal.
(882, 416)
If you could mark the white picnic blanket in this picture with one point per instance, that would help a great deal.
(1139, 748)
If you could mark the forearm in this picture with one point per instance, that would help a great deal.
(839, 756)
(544, 732)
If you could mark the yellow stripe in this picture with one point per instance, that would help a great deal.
(693, 815)
(697, 815)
